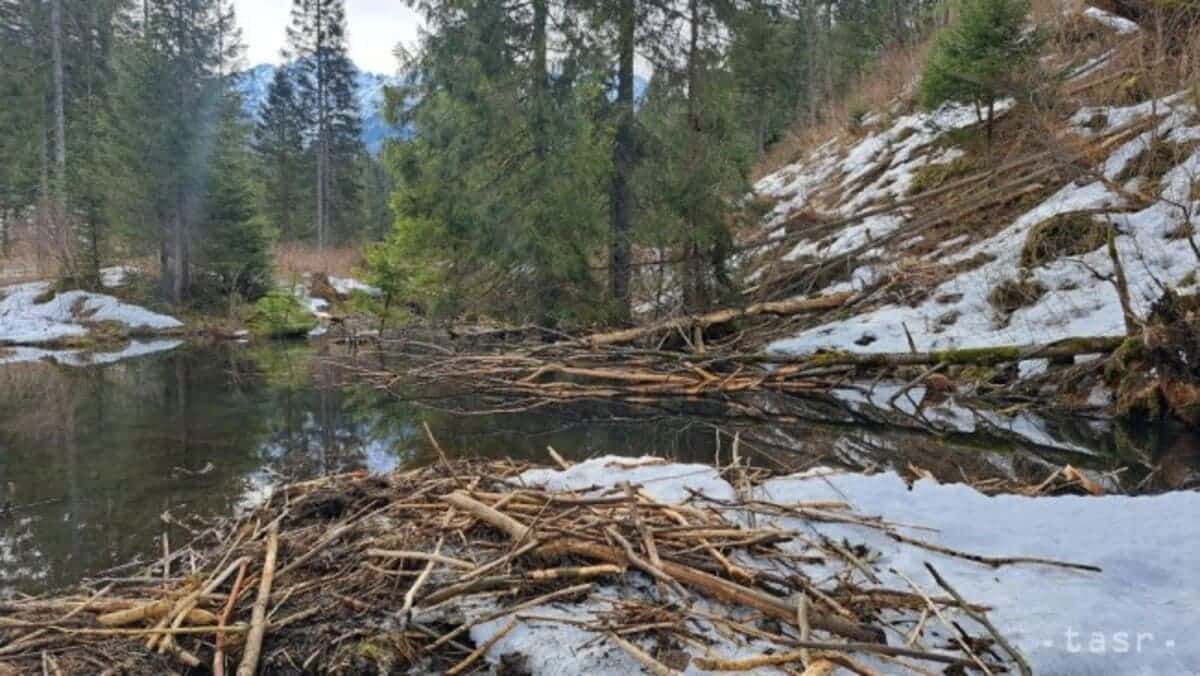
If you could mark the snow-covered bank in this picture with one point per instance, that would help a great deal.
(1136, 617)
(36, 325)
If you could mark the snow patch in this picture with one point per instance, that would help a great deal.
(1119, 24)
(24, 321)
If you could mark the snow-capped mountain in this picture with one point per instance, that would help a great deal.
(256, 81)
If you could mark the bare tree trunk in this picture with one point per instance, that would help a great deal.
(623, 163)
(539, 76)
(694, 286)
(60, 123)
(322, 131)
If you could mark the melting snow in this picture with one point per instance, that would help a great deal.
(23, 321)
(1136, 617)
(1119, 24)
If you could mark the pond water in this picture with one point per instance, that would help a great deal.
(98, 464)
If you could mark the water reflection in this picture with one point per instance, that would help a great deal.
(100, 462)
(97, 461)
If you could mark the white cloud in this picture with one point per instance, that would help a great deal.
(376, 27)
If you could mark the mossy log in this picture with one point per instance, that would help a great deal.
(982, 356)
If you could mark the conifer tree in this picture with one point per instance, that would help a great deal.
(979, 60)
(283, 164)
(326, 84)
(506, 172)
(164, 123)
(236, 244)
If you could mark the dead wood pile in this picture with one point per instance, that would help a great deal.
(368, 574)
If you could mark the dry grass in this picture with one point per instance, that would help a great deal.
(294, 260)
(892, 81)
(21, 265)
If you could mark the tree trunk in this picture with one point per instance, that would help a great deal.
(60, 123)
(694, 287)
(322, 129)
(623, 163)
(540, 77)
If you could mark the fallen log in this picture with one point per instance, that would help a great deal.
(791, 306)
(975, 356)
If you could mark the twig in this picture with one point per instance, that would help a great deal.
(993, 561)
(982, 619)
(482, 649)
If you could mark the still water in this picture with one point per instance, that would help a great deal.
(98, 464)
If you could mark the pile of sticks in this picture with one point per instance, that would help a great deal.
(368, 574)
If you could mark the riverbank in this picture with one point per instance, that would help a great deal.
(625, 565)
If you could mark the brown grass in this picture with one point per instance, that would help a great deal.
(892, 80)
(293, 260)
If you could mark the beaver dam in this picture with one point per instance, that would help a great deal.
(618, 566)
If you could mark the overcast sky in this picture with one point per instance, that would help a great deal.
(376, 26)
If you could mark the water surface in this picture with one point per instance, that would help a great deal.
(100, 463)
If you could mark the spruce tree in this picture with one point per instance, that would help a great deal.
(326, 83)
(236, 250)
(163, 123)
(283, 163)
(506, 173)
(979, 60)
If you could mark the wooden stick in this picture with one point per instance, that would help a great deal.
(411, 595)
(420, 556)
(185, 605)
(724, 590)
(219, 654)
(258, 617)
(482, 649)
(745, 664)
(545, 598)
(558, 459)
(958, 638)
(641, 657)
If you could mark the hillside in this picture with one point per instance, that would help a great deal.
(943, 243)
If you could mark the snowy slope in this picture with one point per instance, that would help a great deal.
(839, 180)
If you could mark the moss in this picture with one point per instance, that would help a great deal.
(46, 296)
(979, 356)
(279, 314)
(933, 176)
(108, 332)
(1069, 234)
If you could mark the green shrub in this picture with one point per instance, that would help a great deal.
(279, 314)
